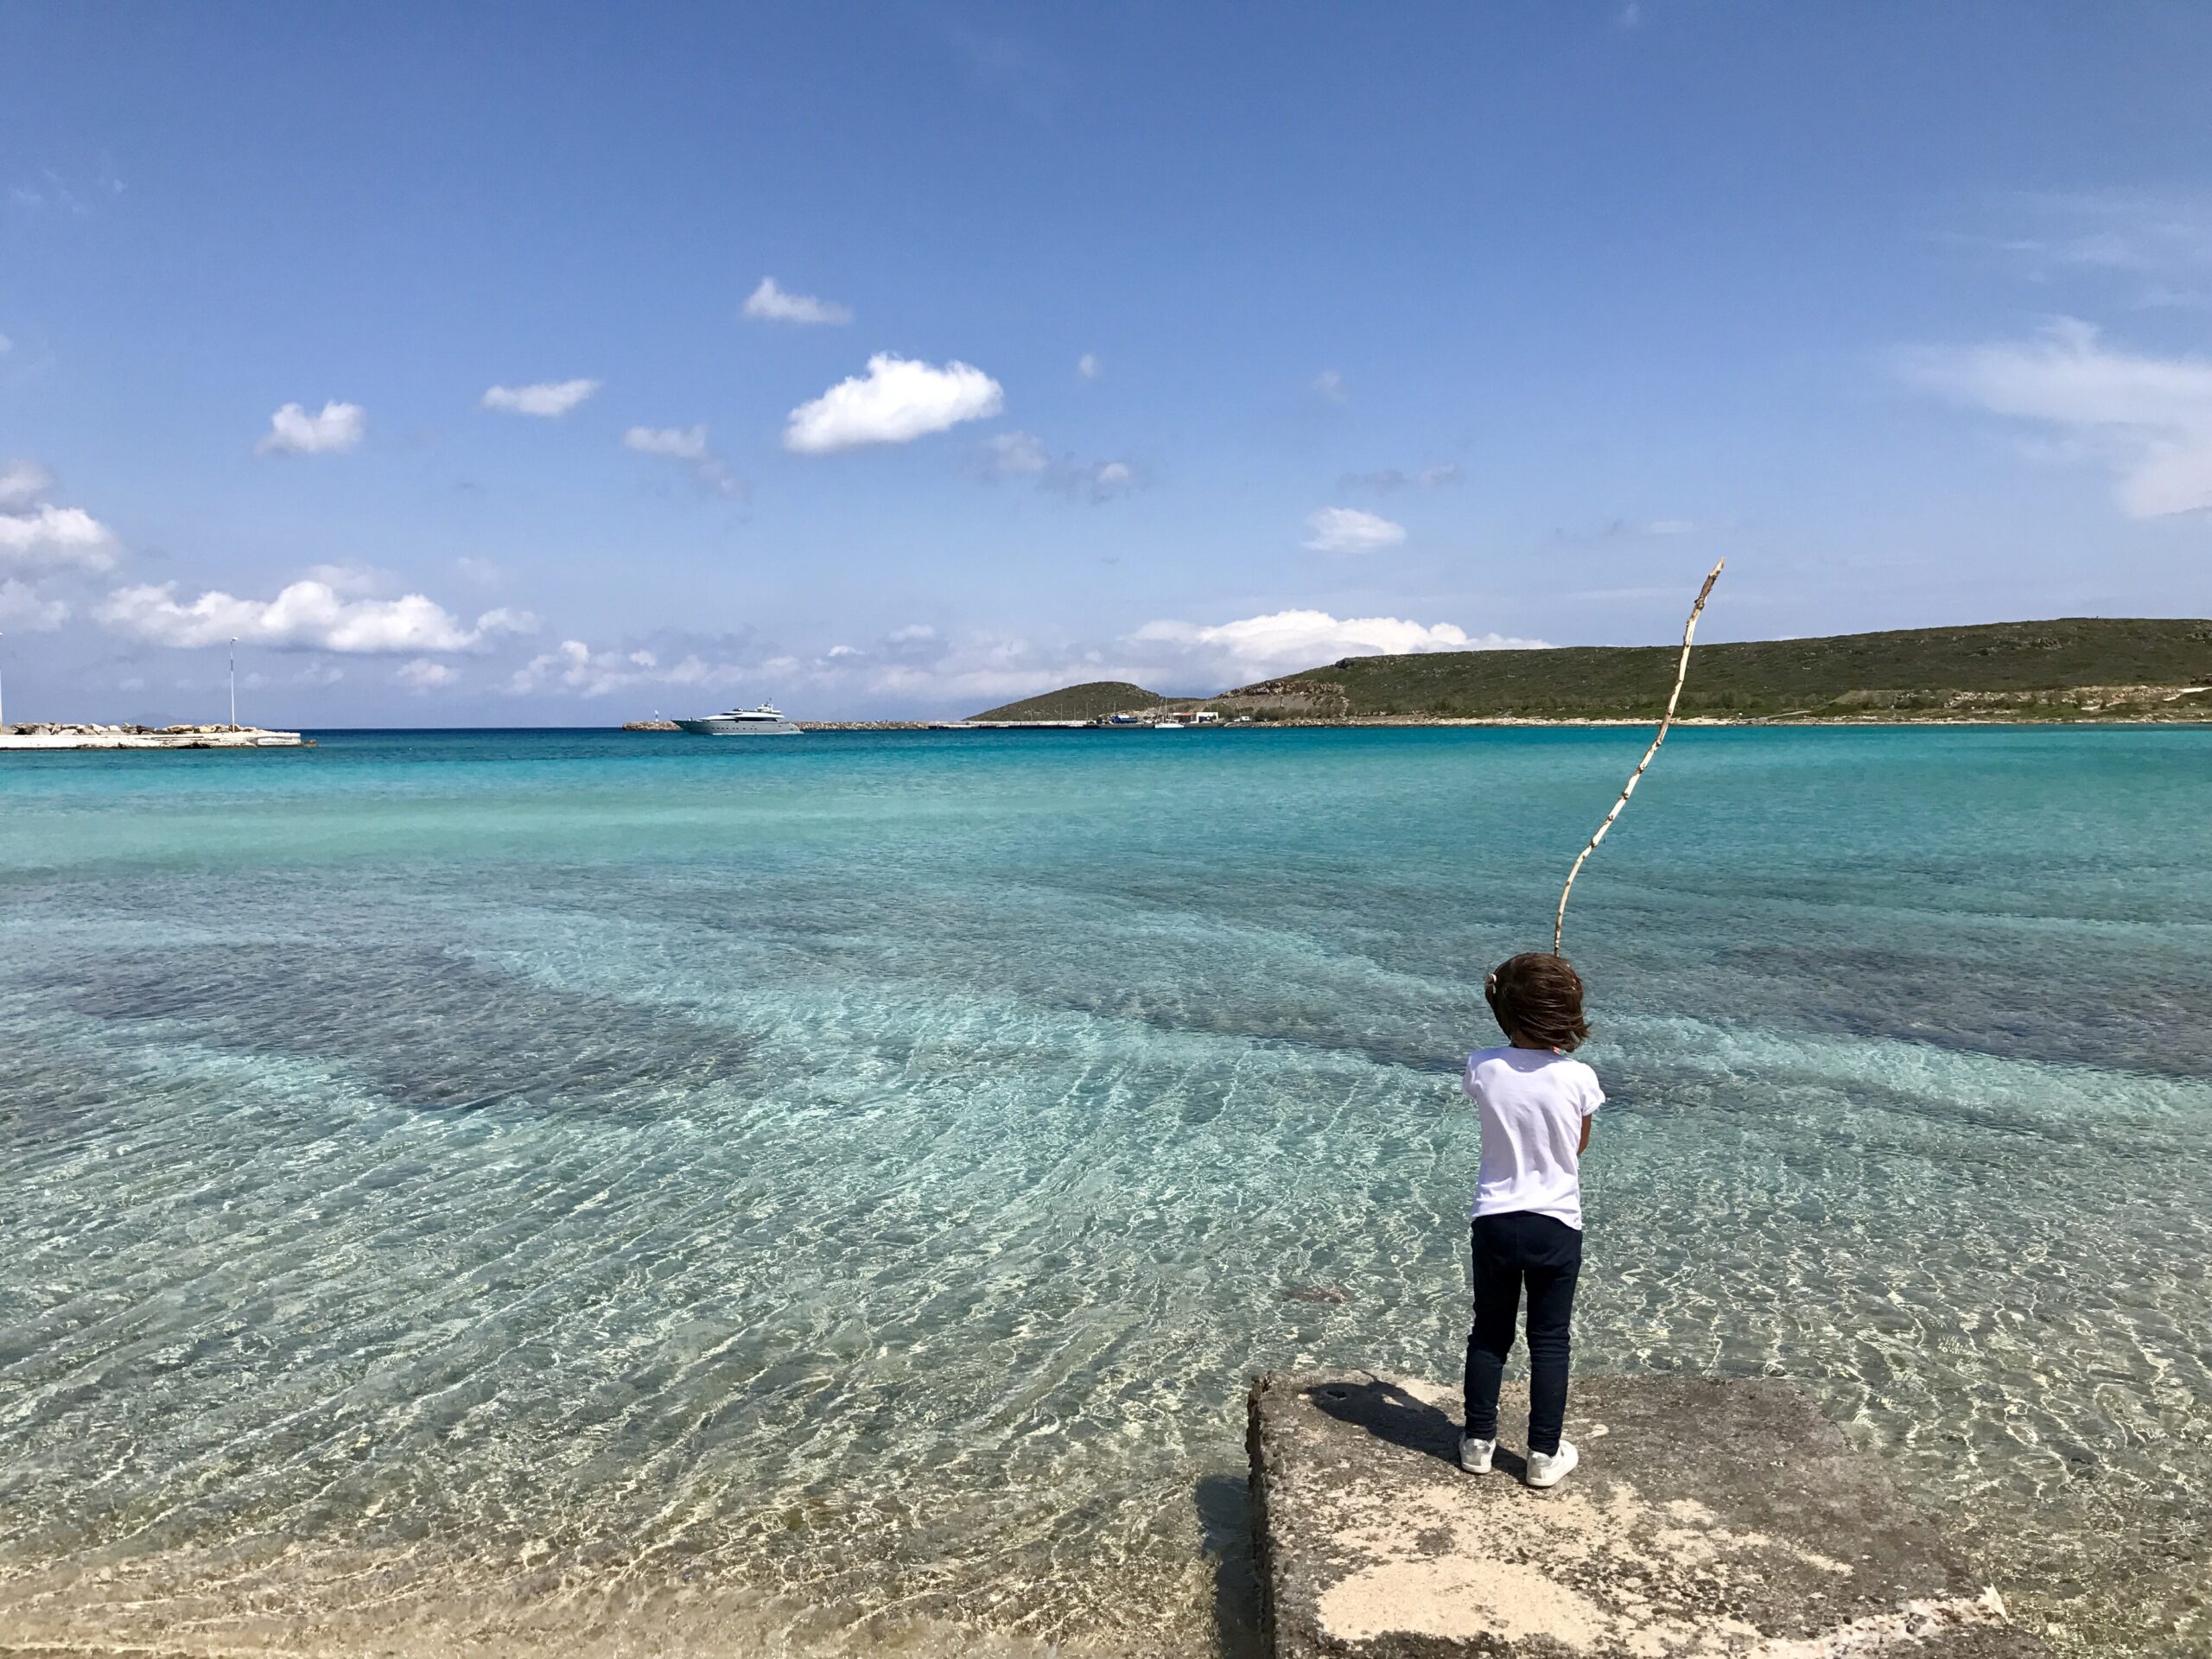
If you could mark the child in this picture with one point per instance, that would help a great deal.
(1536, 1106)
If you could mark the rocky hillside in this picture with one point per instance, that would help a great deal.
(1093, 700)
(2072, 668)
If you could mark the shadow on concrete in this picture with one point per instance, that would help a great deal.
(1389, 1413)
(1224, 1507)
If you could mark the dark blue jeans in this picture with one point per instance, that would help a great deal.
(1522, 1247)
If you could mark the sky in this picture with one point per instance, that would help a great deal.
(548, 364)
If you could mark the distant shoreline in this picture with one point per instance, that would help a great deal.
(1372, 722)
(1750, 720)
(2066, 668)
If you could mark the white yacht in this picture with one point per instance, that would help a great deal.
(766, 721)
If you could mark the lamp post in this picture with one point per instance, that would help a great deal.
(4, 703)
(234, 682)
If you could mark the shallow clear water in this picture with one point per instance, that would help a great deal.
(498, 1182)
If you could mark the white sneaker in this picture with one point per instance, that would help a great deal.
(1475, 1455)
(1550, 1470)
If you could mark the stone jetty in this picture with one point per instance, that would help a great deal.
(51, 735)
(1710, 1519)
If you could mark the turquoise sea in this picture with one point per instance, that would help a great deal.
(602, 1193)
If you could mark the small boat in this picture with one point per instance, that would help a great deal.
(766, 721)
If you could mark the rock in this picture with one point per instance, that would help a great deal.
(1709, 1517)
(1332, 1295)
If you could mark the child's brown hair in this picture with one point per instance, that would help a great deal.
(1538, 997)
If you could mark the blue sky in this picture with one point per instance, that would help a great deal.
(537, 364)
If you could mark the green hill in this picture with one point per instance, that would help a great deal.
(2074, 666)
(1093, 700)
(2110, 668)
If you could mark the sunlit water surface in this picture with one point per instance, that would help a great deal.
(829, 1194)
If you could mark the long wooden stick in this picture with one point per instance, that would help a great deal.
(1682, 672)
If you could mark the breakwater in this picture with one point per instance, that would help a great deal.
(47, 735)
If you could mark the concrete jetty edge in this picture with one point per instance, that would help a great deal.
(1709, 1517)
(54, 736)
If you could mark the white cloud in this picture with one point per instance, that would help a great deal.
(597, 673)
(1258, 647)
(47, 536)
(1016, 453)
(681, 443)
(1347, 530)
(353, 581)
(1635, 530)
(1088, 366)
(22, 482)
(689, 446)
(550, 398)
(768, 303)
(1097, 484)
(900, 400)
(23, 606)
(421, 674)
(915, 664)
(6, 344)
(55, 191)
(2149, 418)
(507, 619)
(920, 668)
(2150, 249)
(293, 431)
(37, 536)
(1023, 455)
(1330, 385)
(907, 663)
(2128, 233)
(917, 667)
(570, 660)
(306, 615)
(1389, 479)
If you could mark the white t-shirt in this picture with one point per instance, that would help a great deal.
(1532, 1102)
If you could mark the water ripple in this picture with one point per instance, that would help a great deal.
(535, 1199)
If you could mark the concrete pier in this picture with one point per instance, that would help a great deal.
(51, 736)
(1709, 1517)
